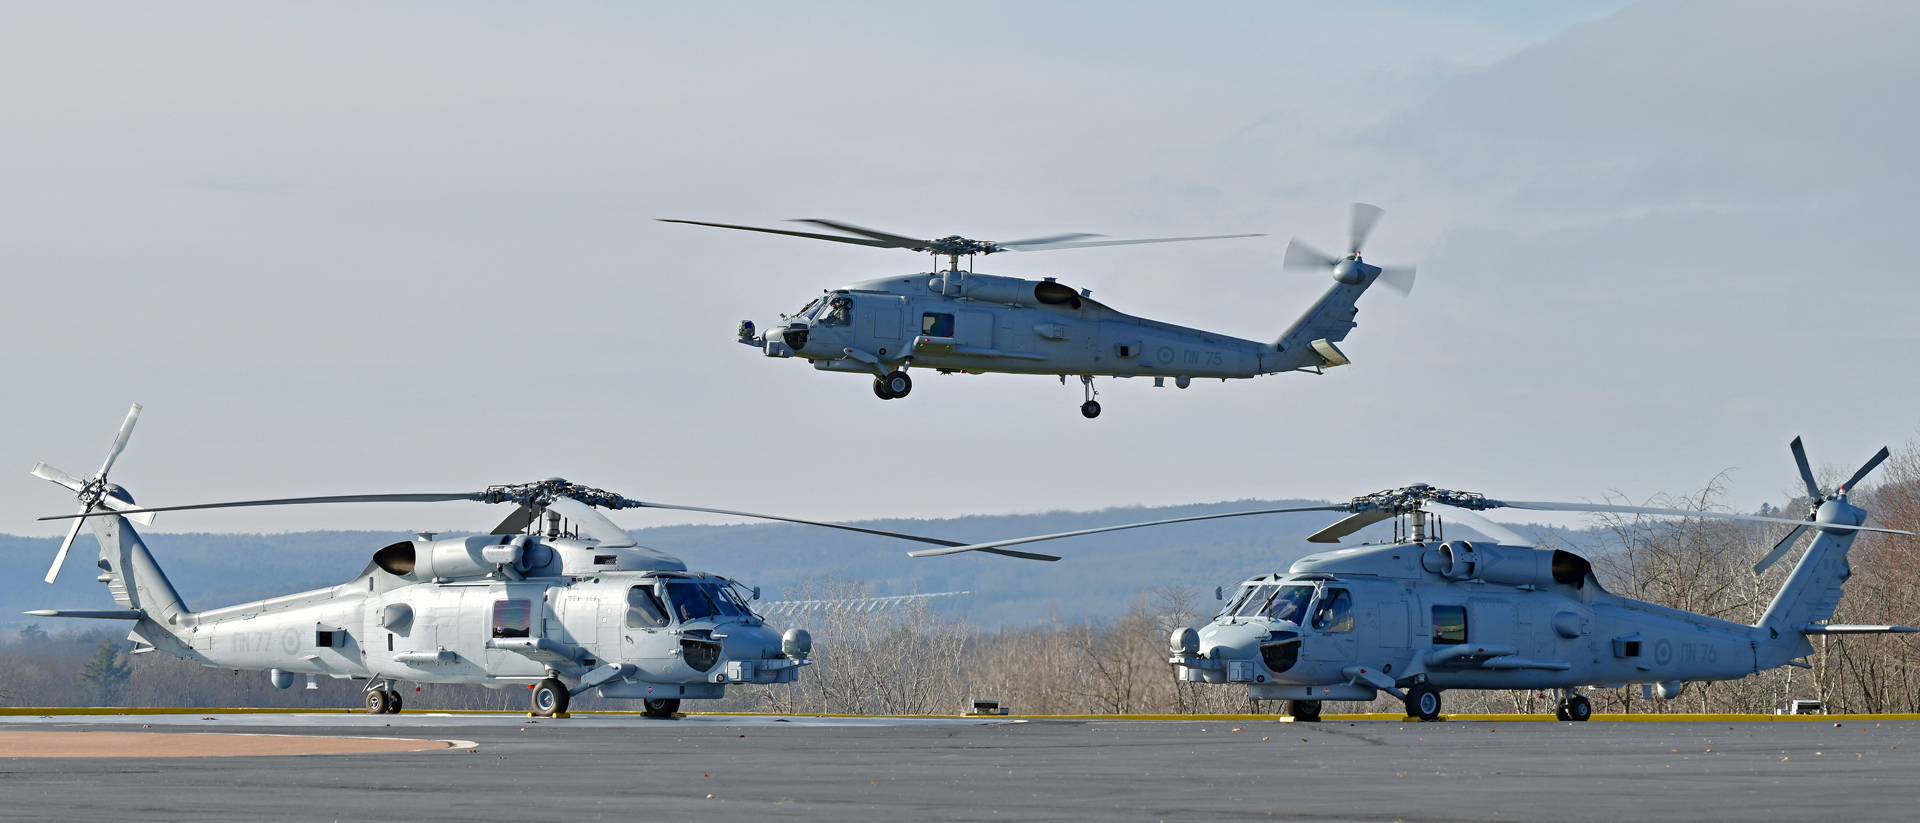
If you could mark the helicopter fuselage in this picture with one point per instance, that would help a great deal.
(957, 321)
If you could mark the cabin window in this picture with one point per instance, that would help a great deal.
(512, 618)
(644, 610)
(1449, 625)
(1290, 606)
(1335, 613)
(1258, 601)
(687, 602)
(936, 324)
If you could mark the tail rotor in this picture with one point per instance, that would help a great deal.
(1815, 497)
(93, 493)
(1351, 269)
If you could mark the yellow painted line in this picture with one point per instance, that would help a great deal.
(45, 711)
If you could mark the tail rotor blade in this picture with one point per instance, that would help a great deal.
(61, 558)
(1806, 471)
(1780, 549)
(1399, 279)
(1862, 473)
(1302, 256)
(46, 472)
(1364, 216)
(120, 442)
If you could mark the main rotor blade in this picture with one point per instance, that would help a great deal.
(1862, 473)
(1473, 520)
(46, 472)
(835, 238)
(934, 541)
(516, 522)
(60, 559)
(1399, 279)
(120, 442)
(1364, 216)
(1302, 256)
(1806, 471)
(1592, 507)
(1088, 245)
(1044, 241)
(130, 510)
(889, 239)
(295, 501)
(981, 547)
(1350, 524)
(1779, 549)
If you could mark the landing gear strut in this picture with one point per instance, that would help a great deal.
(1091, 408)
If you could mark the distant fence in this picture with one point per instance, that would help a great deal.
(863, 605)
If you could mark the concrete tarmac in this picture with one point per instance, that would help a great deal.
(623, 768)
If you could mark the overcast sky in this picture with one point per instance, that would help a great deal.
(340, 248)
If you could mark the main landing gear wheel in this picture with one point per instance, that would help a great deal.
(898, 384)
(880, 389)
(378, 701)
(1091, 408)
(393, 702)
(1305, 711)
(661, 707)
(1423, 701)
(1576, 708)
(550, 698)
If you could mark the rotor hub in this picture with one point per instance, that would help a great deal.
(1410, 498)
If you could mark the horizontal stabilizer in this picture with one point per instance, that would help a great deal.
(1330, 356)
(96, 614)
(1841, 628)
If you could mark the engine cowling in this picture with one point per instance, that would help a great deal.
(1510, 565)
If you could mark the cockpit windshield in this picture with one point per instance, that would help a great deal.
(1252, 605)
(690, 600)
(1290, 605)
(810, 306)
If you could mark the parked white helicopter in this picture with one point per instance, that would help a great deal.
(962, 321)
(577, 605)
(1423, 614)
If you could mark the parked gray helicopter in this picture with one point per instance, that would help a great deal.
(557, 599)
(958, 320)
(1420, 614)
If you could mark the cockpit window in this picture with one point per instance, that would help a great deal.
(1252, 605)
(688, 602)
(723, 597)
(644, 610)
(839, 311)
(1335, 613)
(1290, 605)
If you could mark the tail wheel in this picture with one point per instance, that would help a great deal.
(1304, 710)
(662, 707)
(880, 389)
(898, 384)
(1579, 708)
(1423, 701)
(378, 701)
(550, 698)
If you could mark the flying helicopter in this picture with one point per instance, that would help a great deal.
(557, 599)
(958, 320)
(1420, 614)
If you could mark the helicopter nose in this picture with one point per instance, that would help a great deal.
(795, 336)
